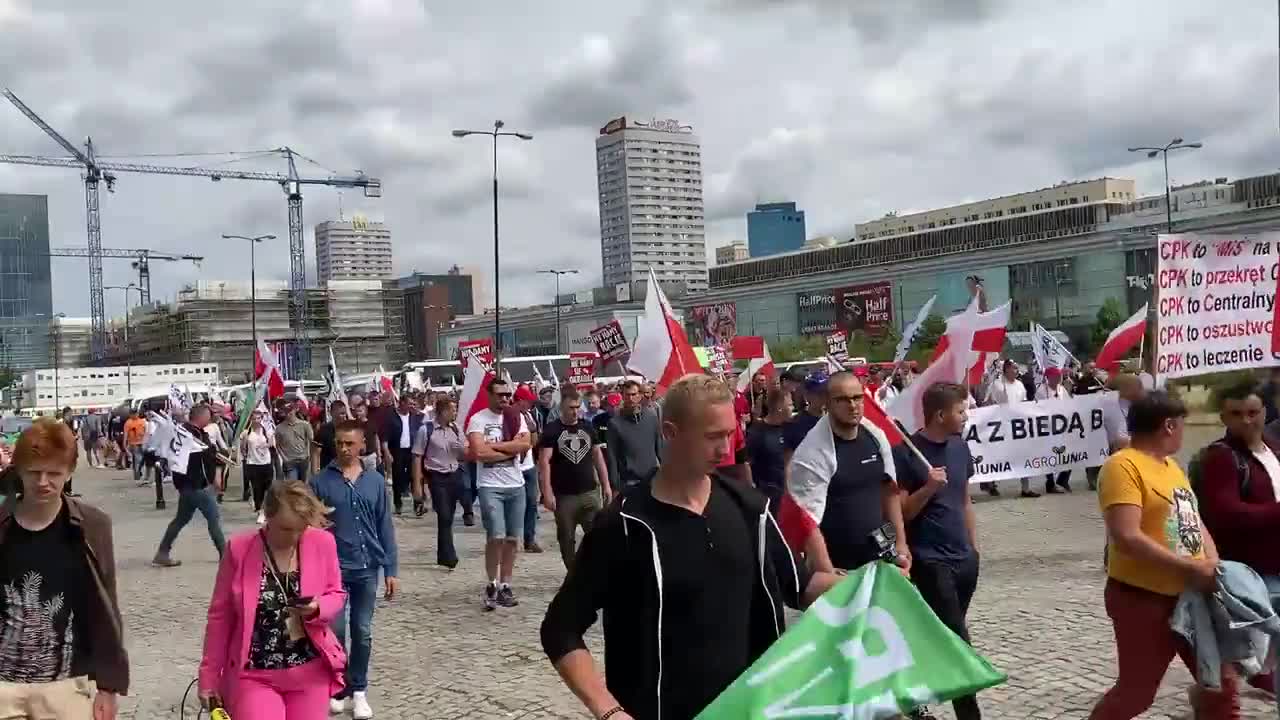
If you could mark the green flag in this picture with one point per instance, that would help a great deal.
(250, 404)
(869, 648)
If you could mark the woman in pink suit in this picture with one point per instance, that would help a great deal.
(269, 652)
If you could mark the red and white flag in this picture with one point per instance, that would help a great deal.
(473, 398)
(385, 384)
(266, 367)
(755, 350)
(1124, 338)
(908, 407)
(980, 334)
(662, 353)
(812, 466)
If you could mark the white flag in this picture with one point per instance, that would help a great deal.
(1047, 352)
(176, 444)
(909, 333)
(555, 381)
(539, 382)
(177, 398)
(335, 380)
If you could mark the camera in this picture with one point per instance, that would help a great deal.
(885, 539)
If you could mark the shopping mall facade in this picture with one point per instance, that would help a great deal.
(1058, 253)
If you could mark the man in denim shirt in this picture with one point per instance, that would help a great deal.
(366, 544)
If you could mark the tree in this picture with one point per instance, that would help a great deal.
(8, 376)
(1110, 315)
(930, 334)
(795, 349)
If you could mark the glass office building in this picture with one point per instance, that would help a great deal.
(26, 294)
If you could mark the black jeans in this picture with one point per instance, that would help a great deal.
(447, 491)
(1062, 479)
(401, 479)
(258, 479)
(947, 587)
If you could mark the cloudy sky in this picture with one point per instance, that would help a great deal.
(901, 105)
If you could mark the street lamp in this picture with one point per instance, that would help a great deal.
(557, 273)
(128, 352)
(1174, 144)
(253, 288)
(495, 133)
(57, 340)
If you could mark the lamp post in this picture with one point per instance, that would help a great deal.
(557, 273)
(57, 340)
(495, 133)
(128, 352)
(1174, 144)
(253, 288)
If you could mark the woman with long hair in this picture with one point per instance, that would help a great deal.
(256, 442)
(269, 651)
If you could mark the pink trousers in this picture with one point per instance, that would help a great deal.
(299, 693)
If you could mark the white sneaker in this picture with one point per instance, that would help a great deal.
(262, 518)
(360, 709)
(336, 706)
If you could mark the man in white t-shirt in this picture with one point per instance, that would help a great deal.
(1054, 389)
(500, 485)
(1007, 390)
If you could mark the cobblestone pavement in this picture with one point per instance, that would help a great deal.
(1037, 615)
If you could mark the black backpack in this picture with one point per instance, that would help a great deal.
(1195, 470)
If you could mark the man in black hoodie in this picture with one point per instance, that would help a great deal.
(633, 441)
(195, 492)
(673, 645)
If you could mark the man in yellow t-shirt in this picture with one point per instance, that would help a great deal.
(1159, 548)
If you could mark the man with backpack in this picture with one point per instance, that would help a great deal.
(1237, 486)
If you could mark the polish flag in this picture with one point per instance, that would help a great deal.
(267, 367)
(982, 333)
(386, 385)
(473, 398)
(872, 411)
(1124, 338)
(755, 350)
(908, 407)
(662, 353)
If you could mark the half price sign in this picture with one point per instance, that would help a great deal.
(838, 345)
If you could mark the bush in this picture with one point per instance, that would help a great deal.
(1218, 382)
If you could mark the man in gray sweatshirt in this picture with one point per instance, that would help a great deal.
(634, 440)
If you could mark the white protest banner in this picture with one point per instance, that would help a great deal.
(610, 341)
(1214, 309)
(838, 345)
(582, 369)
(1038, 437)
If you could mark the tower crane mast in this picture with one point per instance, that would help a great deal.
(141, 262)
(96, 172)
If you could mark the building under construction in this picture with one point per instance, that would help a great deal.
(213, 321)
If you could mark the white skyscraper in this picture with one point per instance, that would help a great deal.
(355, 250)
(651, 213)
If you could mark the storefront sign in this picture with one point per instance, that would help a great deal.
(714, 324)
(816, 312)
(582, 369)
(868, 308)
(1216, 295)
(610, 342)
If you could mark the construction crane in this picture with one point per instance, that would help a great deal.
(141, 262)
(96, 172)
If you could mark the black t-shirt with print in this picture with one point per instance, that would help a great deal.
(45, 582)
(854, 506)
(572, 469)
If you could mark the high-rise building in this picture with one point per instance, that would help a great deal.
(735, 251)
(26, 294)
(354, 250)
(651, 212)
(430, 303)
(774, 228)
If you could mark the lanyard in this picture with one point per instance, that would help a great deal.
(275, 571)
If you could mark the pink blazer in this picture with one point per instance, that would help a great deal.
(235, 603)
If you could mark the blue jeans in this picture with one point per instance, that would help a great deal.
(362, 594)
(295, 469)
(189, 501)
(502, 512)
(135, 457)
(530, 505)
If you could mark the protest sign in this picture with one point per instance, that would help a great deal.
(868, 648)
(1038, 437)
(718, 360)
(610, 342)
(582, 369)
(1215, 303)
(477, 350)
(838, 345)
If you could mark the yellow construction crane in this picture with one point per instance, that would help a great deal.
(96, 172)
